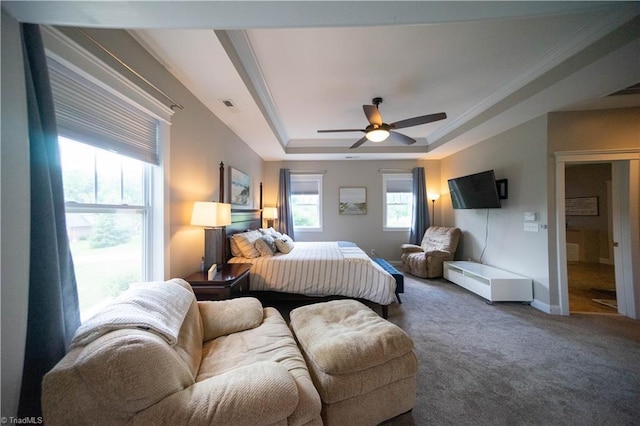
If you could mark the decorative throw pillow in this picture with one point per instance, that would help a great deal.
(245, 243)
(271, 231)
(285, 244)
(266, 245)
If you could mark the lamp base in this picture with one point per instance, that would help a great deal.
(214, 247)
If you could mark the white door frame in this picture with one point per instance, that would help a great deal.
(625, 178)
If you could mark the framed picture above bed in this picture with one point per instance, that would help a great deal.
(240, 189)
(353, 201)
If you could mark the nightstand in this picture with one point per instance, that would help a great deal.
(230, 281)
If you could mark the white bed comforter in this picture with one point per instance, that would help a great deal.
(322, 269)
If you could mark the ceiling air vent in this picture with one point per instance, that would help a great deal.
(229, 105)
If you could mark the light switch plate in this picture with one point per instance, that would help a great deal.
(530, 216)
(530, 227)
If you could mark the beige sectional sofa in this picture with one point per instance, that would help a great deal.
(229, 362)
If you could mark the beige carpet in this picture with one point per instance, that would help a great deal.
(510, 364)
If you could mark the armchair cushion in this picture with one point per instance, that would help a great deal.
(255, 394)
(439, 244)
(229, 316)
(411, 248)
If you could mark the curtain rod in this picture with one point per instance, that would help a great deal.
(173, 105)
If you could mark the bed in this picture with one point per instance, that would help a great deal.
(313, 270)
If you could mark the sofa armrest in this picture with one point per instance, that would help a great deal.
(257, 394)
(225, 317)
(410, 248)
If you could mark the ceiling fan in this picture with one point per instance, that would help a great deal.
(378, 131)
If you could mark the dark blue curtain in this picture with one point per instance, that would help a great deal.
(53, 314)
(284, 203)
(420, 207)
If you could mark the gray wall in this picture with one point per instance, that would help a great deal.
(15, 221)
(365, 230)
(518, 155)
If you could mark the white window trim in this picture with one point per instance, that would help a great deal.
(316, 178)
(385, 178)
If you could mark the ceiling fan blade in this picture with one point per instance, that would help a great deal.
(416, 121)
(360, 142)
(340, 130)
(399, 137)
(372, 113)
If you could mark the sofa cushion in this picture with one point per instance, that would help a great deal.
(229, 316)
(271, 341)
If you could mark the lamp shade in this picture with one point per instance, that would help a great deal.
(270, 213)
(207, 213)
(433, 196)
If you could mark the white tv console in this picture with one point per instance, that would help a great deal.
(493, 284)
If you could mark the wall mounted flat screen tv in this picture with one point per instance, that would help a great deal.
(477, 191)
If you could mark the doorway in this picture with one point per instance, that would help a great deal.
(625, 185)
(589, 231)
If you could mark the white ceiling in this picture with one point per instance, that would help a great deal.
(291, 68)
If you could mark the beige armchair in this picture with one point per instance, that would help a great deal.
(439, 244)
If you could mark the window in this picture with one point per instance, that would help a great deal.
(398, 201)
(107, 209)
(306, 202)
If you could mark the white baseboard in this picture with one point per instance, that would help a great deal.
(545, 307)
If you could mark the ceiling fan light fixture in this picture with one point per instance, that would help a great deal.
(377, 135)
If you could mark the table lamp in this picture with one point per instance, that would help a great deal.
(214, 217)
(270, 213)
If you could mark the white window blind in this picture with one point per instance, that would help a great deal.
(85, 111)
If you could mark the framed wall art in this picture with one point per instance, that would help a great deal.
(581, 206)
(240, 188)
(353, 201)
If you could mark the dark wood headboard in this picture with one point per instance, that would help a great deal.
(241, 221)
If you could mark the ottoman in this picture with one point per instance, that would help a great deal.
(363, 366)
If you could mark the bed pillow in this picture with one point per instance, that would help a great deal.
(285, 244)
(245, 243)
(266, 245)
(235, 251)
